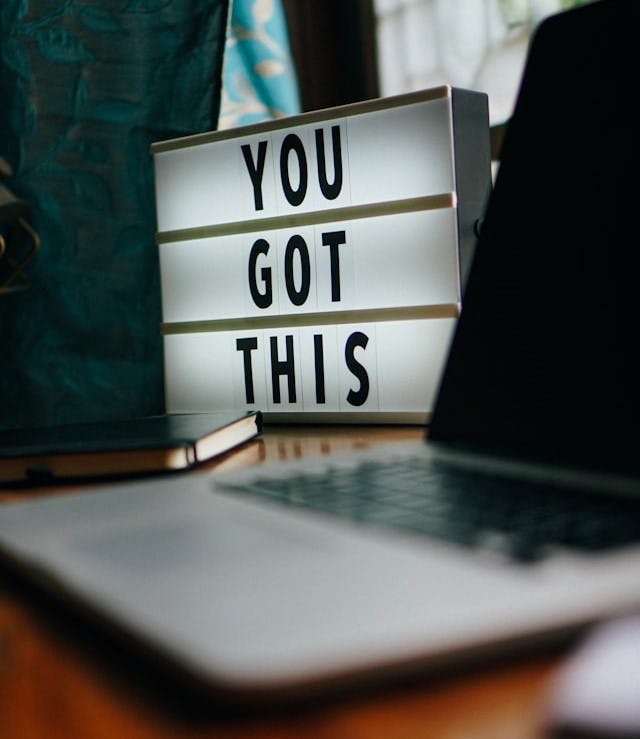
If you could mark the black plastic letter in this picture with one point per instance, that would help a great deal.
(262, 300)
(292, 143)
(255, 170)
(283, 367)
(297, 244)
(333, 239)
(318, 355)
(330, 191)
(246, 346)
(356, 339)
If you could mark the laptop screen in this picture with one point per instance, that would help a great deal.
(544, 355)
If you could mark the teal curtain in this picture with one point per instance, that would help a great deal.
(259, 76)
(85, 87)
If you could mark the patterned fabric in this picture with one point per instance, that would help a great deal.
(85, 87)
(259, 78)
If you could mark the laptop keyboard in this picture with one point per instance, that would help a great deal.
(522, 520)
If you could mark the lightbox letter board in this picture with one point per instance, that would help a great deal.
(312, 267)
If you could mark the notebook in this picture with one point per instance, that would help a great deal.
(136, 446)
(281, 581)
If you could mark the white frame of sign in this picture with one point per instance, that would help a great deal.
(312, 267)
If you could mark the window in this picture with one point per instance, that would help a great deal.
(476, 44)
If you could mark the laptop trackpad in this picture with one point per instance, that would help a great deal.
(145, 547)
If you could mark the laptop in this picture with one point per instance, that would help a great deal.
(284, 581)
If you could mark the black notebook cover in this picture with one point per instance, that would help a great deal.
(112, 448)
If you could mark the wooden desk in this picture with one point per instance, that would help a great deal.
(51, 686)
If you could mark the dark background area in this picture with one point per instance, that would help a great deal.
(333, 45)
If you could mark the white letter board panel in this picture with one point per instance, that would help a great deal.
(310, 267)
